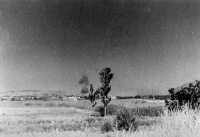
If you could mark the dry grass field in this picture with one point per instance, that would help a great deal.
(46, 116)
(74, 118)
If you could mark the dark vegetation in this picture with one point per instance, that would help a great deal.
(157, 97)
(137, 111)
(124, 97)
(106, 127)
(125, 120)
(188, 95)
(103, 91)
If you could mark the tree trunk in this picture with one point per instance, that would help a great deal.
(105, 110)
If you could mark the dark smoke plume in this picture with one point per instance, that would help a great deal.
(84, 81)
(84, 90)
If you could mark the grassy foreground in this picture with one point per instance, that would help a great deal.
(178, 124)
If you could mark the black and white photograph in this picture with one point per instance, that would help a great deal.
(99, 68)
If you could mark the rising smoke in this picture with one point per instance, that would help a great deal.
(84, 82)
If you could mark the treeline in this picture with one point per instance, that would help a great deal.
(124, 97)
(189, 95)
(158, 97)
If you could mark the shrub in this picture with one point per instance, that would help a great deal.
(28, 104)
(100, 110)
(125, 120)
(106, 127)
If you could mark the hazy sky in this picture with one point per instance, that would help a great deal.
(51, 44)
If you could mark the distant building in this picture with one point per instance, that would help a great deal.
(5, 97)
(13, 98)
(113, 97)
(71, 98)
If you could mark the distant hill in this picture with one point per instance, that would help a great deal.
(34, 92)
(31, 90)
(184, 85)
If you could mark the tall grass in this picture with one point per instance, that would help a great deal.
(177, 124)
(61, 125)
(137, 111)
(147, 111)
(10, 127)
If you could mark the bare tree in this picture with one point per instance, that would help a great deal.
(104, 90)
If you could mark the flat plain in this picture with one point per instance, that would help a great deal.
(31, 117)
(77, 119)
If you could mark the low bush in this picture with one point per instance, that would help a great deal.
(106, 127)
(100, 110)
(28, 104)
(125, 120)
